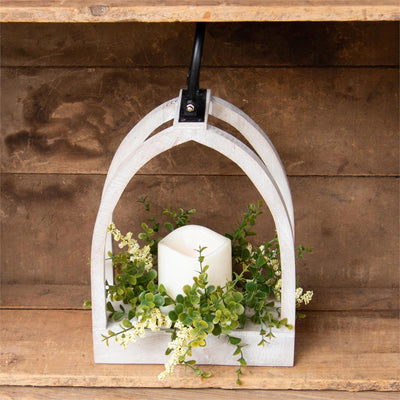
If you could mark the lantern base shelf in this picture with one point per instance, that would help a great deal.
(279, 351)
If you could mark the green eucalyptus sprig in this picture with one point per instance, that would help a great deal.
(152, 234)
(201, 309)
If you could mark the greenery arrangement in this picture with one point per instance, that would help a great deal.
(202, 309)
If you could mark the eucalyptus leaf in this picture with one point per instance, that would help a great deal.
(173, 316)
(118, 315)
(234, 340)
(159, 300)
(126, 323)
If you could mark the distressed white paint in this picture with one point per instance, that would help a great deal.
(151, 349)
(260, 143)
(266, 172)
(220, 109)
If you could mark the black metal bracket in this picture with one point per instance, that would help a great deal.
(193, 100)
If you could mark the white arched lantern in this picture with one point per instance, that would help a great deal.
(263, 167)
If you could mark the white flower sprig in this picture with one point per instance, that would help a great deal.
(136, 252)
(303, 298)
(179, 347)
(155, 322)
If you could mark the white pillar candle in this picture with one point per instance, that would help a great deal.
(178, 258)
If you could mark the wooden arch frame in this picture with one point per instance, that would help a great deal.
(265, 171)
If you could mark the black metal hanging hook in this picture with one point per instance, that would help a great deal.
(194, 71)
(193, 99)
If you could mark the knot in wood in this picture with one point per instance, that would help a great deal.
(99, 10)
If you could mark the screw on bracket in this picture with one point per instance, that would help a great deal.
(190, 107)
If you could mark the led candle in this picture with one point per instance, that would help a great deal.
(178, 258)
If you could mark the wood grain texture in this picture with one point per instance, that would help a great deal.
(333, 351)
(71, 297)
(65, 297)
(184, 10)
(226, 44)
(345, 220)
(71, 393)
(336, 121)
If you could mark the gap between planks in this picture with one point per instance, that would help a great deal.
(71, 393)
(183, 67)
(177, 173)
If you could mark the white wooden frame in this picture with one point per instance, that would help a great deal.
(266, 172)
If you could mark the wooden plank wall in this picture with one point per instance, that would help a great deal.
(325, 93)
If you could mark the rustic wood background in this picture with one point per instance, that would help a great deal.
(325, 93)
